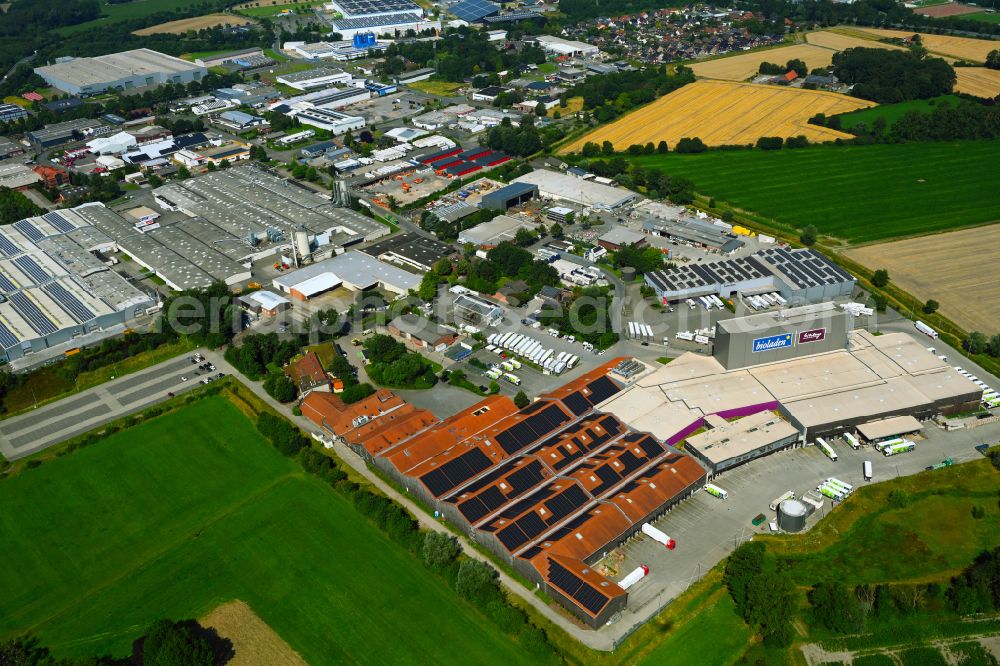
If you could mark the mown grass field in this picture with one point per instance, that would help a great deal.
(893, 112)
(986, 17)
(114, 13)
(193, 509)
(857, 193)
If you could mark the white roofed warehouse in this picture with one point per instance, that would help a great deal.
(560, 186)
(354, 270)
(138, 68)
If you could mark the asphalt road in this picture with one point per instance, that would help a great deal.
(58, 421)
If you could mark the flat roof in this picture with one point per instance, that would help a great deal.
(891, 427)
(570, 188)
(621, 236)
(410, 247)
(114, 66)
(878, 375)
(731, 439)
(353, 268)
(494, 232)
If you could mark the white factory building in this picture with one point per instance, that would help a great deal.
(565, 47)
(138, 68)
(563, 187)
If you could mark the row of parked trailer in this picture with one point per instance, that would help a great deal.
(765, 301)
(641, 332)
(857, 309)
(835, 489)
(702, 336)
(991, 399)
(532, 350)
(708, 302)
(889, 447)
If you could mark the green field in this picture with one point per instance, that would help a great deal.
(893, 112)
(932, 537)
(716, 635)
(858, 193)
(125, 11)
(177, 515)
(993, 17)
(271, 10)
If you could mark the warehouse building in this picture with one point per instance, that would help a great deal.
(17, 176)
(10, 113)
(550, 488)
(411, 251)
(58, 134)
(54, 288)
(563, 187)
(353, 270)
(243, 58)
(386, 24)
(335, 122)
(415, 75)
(490, 234)
(314, 78)
(820, 394)
(421, 333)
(727, 443)
(618, 237)
(138, 68)
(781, 335)
(695, 232)
(564, 47)
(801, 276)
(512, 195)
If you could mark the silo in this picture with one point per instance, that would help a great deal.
(628, 273)
(792, 515)
(301, 243)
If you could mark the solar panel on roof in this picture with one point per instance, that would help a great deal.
(531, 525)
(29, 230)
(474, 10)
(355, 7)
(7, 339)
(473, 509)
(7, 247)
(576, 403)
(70, 302)
(511, 537)
(576, 587)
(31, 268)
(362, 22)
(6, 285)
(525, 478)
(59, 222)
(32, 314)
(601, 389)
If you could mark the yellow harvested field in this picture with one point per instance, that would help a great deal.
(573, 105)
(723, 112)
(840, 42)
(978, 81)
(744, 66)
(196, 23)
(952, 268)
(964, 48)
(254, 643)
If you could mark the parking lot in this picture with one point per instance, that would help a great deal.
(707, 529)
(58, 421)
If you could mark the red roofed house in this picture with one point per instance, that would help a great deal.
(308, 374)
(790, 75)
(51, 176)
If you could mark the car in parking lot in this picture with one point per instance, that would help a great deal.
(184, 378)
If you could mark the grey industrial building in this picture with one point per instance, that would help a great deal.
(781, 335)
(693, 231)
(129, 69)
(54, 288)
(801, 276)
(253, 207)
(353, 270)
(411, 251)
(507, 197)
(58, 134)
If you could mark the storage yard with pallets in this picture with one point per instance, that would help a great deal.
(721, 112)
(978, 81)
(196, 23)
(948, 268)
(742, 67)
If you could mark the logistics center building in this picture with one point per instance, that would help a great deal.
(138, 68)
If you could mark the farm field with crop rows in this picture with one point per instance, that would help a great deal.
(722, 112)
(858, 193)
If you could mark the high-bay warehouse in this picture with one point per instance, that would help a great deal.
(138, 68)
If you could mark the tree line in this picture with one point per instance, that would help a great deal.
(887, 77)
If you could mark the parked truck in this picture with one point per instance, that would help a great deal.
(634, 577)
(716, 491)
(926, 330)
(658, 536)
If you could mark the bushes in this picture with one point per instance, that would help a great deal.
(285, 437)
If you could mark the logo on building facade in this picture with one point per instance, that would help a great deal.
(772, 342)
(813, 335)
